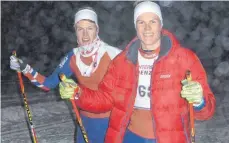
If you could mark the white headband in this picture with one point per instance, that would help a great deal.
(147, 6)
(86, 14)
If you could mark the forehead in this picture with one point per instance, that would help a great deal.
(85, 23)
(148, 16)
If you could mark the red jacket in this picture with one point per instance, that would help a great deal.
(117, 92)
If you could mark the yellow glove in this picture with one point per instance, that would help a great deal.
(192, 91)
(68, 88)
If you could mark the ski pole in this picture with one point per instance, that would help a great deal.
(189, 78)
(85, 136)
(32, 130)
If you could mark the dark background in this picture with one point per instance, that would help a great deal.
(42, 33)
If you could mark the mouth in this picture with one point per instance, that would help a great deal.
(148, 34)
(86, 41)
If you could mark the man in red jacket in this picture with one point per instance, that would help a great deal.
(143, 86)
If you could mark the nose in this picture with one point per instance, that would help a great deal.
(147, 27)
(85, 33)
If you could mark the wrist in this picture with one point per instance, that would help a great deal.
(200, 105)
(77, 93)
(25, 69)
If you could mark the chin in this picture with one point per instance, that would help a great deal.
(86, 43)
(148, 42)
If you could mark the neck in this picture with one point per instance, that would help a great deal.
(151, 47)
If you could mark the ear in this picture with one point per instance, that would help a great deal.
(97, 30)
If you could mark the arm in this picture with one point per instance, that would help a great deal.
(100, 100)
(47, 83)
(207, 108)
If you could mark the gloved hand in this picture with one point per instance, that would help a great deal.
(68, 88)
(192, 91)
(17, 64)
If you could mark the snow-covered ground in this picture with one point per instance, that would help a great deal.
(55, 123)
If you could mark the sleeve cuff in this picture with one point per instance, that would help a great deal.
(76, 97)
(198, 107)
(26, 69)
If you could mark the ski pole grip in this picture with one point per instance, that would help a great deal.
(62, 77)
(14, 53)
(188, 75)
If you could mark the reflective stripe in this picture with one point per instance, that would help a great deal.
(35, 75)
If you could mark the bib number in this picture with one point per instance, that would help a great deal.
(143, 91)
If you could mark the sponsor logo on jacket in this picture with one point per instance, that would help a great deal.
(63, 62)
(165, 76)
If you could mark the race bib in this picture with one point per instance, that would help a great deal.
(142, 100)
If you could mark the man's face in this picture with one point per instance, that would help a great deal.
(148, 28)
(86, 32)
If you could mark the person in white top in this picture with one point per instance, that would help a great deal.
(146, 89)
(88, 63)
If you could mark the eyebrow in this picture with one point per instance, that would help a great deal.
(139, 20)
(85, 27)
(150, 19)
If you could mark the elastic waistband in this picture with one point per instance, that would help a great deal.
(95, 115)
(137, 136)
